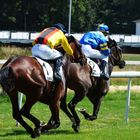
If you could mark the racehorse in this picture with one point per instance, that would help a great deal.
(95, 88)
(96, 94)
(25, 74)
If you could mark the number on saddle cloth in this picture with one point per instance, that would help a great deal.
(95, 68)
(47, 69)
(49, 73)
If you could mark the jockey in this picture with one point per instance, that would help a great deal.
(94, 45)
(47, 42)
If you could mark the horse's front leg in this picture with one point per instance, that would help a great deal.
(64, 107)
(54, 105)
(79, 95)
(96, 101)
(54, 121)
(97, 105)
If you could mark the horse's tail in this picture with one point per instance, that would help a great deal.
(7, 79)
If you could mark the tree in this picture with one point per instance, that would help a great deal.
(34, 15)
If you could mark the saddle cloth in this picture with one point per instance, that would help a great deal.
(47, 69)
(95, 68)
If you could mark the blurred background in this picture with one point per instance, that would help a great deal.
(34, 15)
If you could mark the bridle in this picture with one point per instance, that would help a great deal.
(116, 59)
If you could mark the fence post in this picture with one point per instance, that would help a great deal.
(20, 96)
(128, 99)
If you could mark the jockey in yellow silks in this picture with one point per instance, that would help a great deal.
(46, 43)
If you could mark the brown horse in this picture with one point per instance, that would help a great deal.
(80, 81)
(24, 74)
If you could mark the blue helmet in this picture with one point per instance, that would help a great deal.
(103, 28)
(61, 27)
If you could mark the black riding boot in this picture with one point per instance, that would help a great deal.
(58, 63)
(104, 70)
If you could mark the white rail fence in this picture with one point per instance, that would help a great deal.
(116, 74)
(11, 35)
(129, 75)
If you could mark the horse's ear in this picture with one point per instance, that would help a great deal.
(71, 38)
(111, 42)
(114, 42)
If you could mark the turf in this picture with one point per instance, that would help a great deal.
(110, 125)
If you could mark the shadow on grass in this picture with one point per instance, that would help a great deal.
(51, 132)
(16, 132)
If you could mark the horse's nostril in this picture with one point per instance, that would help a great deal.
(122, 64)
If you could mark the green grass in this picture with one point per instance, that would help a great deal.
(8, 51)
(132, 57)
(110, 124)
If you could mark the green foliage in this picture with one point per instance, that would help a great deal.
(34, 15)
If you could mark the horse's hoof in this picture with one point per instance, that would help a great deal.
(43, 129)
(91, 118)
(34, 135)
(37, 131)
(76, 128)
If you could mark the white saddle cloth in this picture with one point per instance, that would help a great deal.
(47, 69)
(95, 68)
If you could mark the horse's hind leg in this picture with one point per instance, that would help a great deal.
(25, 111)
(16, 113)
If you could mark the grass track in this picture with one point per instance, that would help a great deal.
(109, 126)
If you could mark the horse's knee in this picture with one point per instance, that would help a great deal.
(24, 112)
(16, 116)
(71, 105)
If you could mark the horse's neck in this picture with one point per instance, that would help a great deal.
(66, 61)
(110, 67)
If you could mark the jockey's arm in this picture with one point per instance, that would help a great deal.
(66, 46)
(104, 49)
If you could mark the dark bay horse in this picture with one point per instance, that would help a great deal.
(79, 80)
(96, 93)
(24, 74)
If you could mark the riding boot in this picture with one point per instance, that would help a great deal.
(57, 75)
(104, 70)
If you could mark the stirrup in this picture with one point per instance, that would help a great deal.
(57, 77)
(104, 76)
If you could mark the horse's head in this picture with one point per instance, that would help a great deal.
(78, 55)
(116, 54)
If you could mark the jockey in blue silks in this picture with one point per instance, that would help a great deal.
(94, 45)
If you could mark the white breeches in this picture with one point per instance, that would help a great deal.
(45, 52)
(93, 53)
